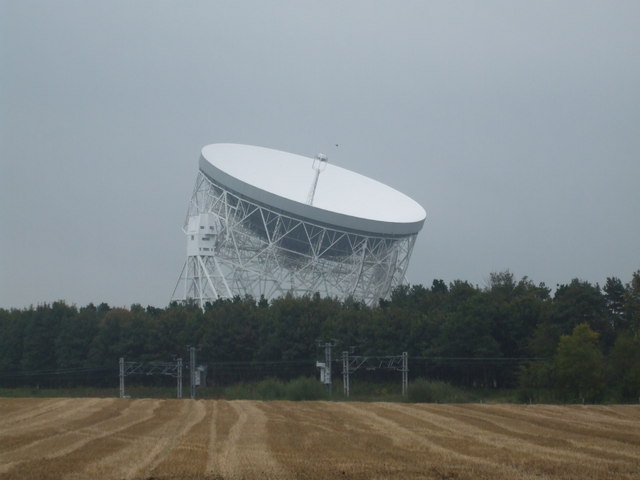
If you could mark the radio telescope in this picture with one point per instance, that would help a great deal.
(266, 223)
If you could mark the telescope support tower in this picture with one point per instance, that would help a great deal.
(238, 246)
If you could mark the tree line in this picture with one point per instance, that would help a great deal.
(580, 343)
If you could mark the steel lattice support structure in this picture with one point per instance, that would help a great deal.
(150, 368)
(238, 246)
(353, 363)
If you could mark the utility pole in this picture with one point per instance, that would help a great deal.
(345, 373)
(327, 361)
(405, 373)
(179, 375)
(121, 363)
(325, 368)
(192, 370)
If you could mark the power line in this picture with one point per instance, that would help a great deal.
(66, 371)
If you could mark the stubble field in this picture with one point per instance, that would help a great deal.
(218, 439)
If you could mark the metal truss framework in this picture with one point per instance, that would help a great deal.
(353, 363)
(259, 251)
(151, 368)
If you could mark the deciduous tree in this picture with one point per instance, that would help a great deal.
(579, 365)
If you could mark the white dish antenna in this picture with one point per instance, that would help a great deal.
(254, 227)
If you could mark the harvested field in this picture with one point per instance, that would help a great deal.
(217, 439)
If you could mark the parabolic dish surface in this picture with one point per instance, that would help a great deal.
(283, 181)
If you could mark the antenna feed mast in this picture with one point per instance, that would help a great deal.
(319, 164)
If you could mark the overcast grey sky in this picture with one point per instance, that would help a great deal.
(515, 124)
